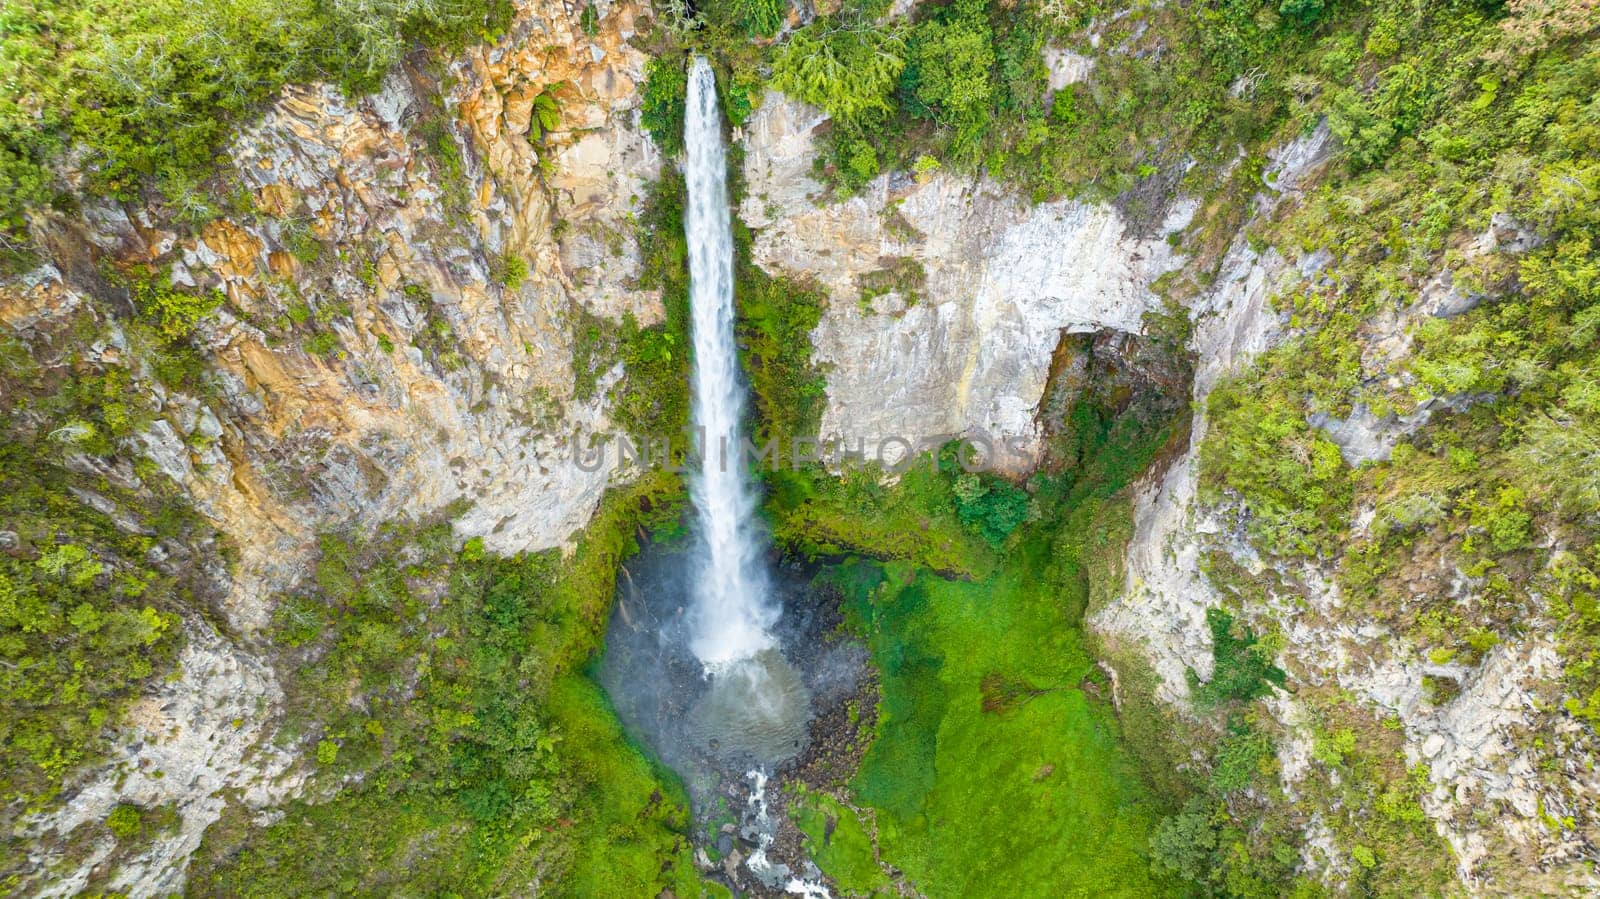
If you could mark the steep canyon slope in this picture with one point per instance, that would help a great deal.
(401, 300)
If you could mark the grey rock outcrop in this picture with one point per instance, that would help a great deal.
(970, 354)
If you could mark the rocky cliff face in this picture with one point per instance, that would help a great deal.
(1475, 747)
(446, 250)
(948, 295)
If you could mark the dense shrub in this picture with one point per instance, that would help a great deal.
(1182, 844)
(1242, 668)
(1292, 476)
(759, 18)
(661, 105)
(850, 72)
(948, 76)
(989, 506)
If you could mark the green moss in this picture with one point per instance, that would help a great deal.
(1032, 797)
(125, 821)
(653, 397)
(838, 841)
(634, 841)
(172, 312)
(776, 318)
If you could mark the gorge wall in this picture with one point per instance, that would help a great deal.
(446, 256)
(405, 276)
(974, 286)
(965, 349)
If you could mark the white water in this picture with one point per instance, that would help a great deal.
(766, 831)
(732, 617)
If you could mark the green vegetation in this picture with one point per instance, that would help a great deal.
(125, 821)
(902, 275)
(1234, 834)
(147, 92)
(99, 556)
(174, 313)
(840, 844)
(1294, 476)
(1469, 133)
(460, 745)
(661, 104)
(1242, 667)
(990, 506)
(1034, 796)
(915, 520)
(848, 72)
(757, 18)
(546, 117)
(964, 83)
(510, 269)
(653, 397)
(775, 319)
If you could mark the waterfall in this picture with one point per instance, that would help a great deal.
(732, 616)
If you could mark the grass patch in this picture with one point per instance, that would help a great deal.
(1035, 796)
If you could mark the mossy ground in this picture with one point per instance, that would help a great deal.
(993, 773)
(841, 844)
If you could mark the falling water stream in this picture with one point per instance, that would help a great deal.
(699, 665)
(732, 619)
(755, 695)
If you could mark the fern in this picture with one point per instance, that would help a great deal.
(546, 116)
(849, 73)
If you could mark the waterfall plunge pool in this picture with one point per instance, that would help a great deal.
(734, 736)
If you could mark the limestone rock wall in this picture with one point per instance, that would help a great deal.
(1470, 744)
(967, 350)
(446, 251)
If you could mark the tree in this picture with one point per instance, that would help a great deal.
(759, 18)
(1182, 844)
